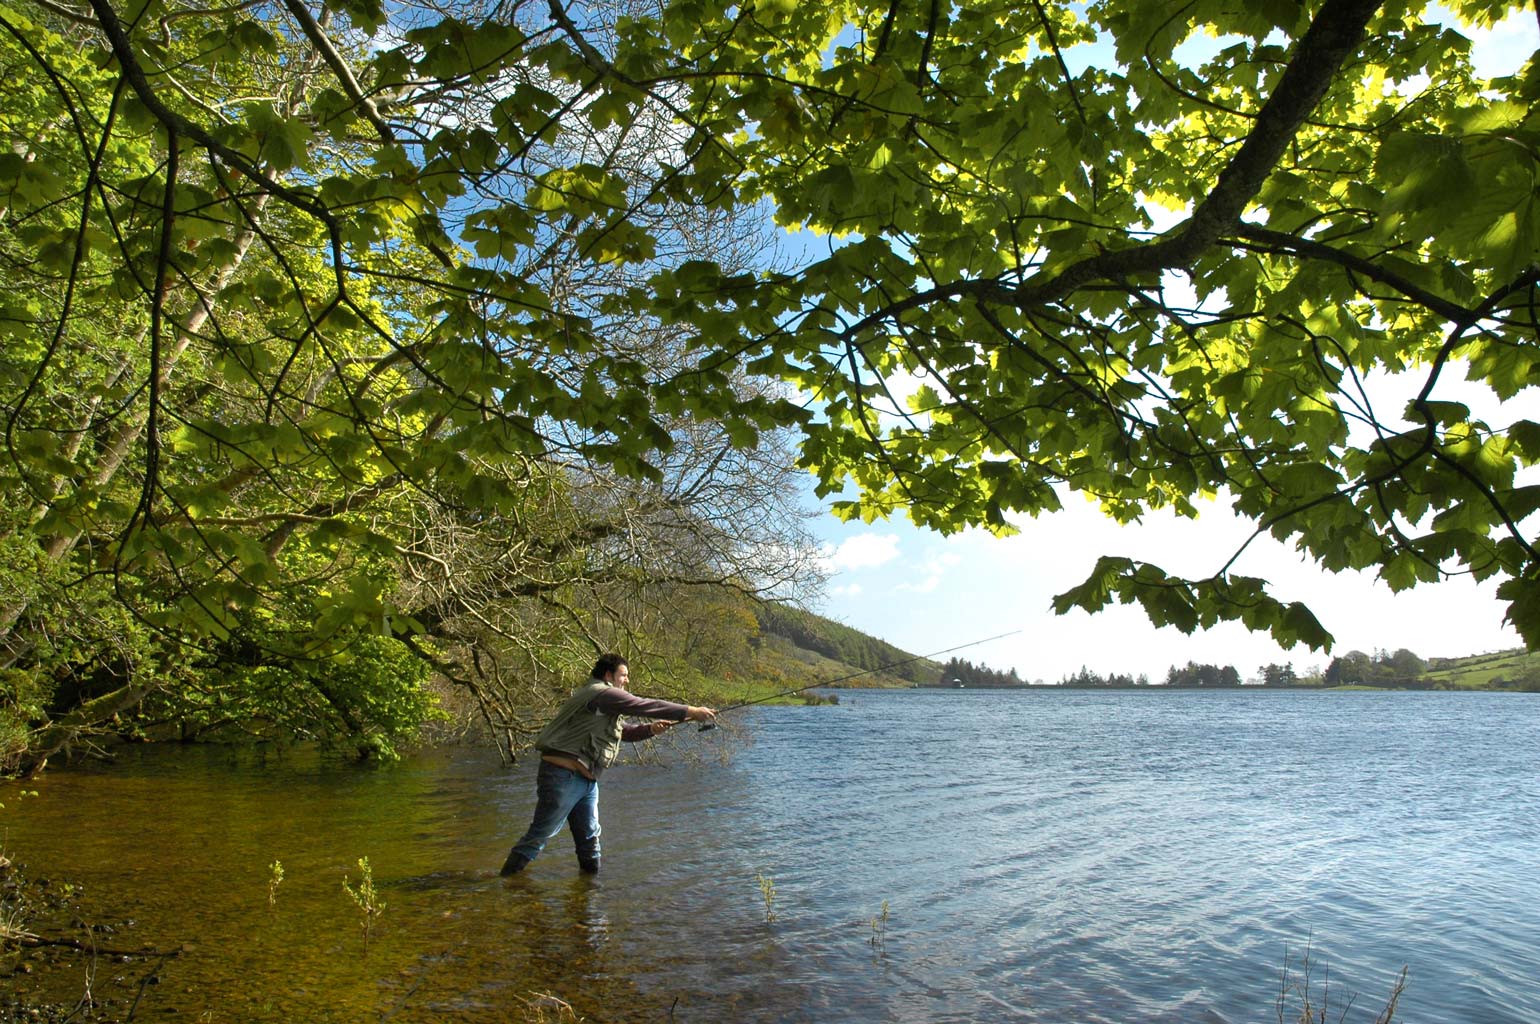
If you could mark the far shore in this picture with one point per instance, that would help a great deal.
(1244, 688)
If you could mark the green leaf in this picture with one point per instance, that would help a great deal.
(1299, 625)
(367, 15)
(1523, 596)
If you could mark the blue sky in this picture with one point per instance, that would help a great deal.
(924, 592)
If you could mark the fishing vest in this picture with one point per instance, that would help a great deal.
(590, 736)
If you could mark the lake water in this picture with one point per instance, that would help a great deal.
(1041, 856)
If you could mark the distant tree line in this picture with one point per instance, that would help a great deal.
(1193, 674)
(1401, 669)
(960, 672)
(1086, 678)
(842, 643)
(1279, 675)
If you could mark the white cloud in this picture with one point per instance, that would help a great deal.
(929, 577)
(863, 551)
(849, 590)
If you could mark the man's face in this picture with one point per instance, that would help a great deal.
(621, 677)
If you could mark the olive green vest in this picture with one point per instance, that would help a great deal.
(590, 736)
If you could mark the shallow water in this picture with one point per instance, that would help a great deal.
(1042, 856)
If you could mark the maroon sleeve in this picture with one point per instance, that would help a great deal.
(635, 733)
(615, 701)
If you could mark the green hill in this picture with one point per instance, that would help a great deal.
(1517, 669)
(804, 648)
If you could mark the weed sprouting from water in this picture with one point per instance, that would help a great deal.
(879, 938)
(1300, 1001)
(366, 896)
(274, 880)
(14, 912)
(767, 891)
(545, 1008)
(13, 923)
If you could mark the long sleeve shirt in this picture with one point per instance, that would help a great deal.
(615, 701)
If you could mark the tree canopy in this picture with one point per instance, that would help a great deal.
(331, 321)
(1351, 217)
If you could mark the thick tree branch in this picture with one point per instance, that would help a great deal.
(345, 78)
(1331, 39)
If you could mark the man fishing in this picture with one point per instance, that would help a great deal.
(579, 743)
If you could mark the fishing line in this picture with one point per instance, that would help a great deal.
(855, 675)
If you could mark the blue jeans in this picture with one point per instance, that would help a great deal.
(562, 795)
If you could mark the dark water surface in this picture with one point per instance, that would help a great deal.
(1042, 856)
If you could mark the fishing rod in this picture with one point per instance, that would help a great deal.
(855, 675)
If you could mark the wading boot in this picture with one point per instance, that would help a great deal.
(588, 866)
(515, 863)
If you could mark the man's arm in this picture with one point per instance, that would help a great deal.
(615, 701)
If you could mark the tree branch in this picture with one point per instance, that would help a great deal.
(1279, 241)
(123, 49)
(333, 59)
(1332, 37)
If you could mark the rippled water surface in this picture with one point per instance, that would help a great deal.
(1038, 856)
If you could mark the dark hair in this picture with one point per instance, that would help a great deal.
(606, 664)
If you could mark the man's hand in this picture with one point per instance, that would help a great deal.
(659, 726)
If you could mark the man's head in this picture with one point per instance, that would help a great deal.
(612, 668)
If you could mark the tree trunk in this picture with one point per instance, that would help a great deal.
(59, 735)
